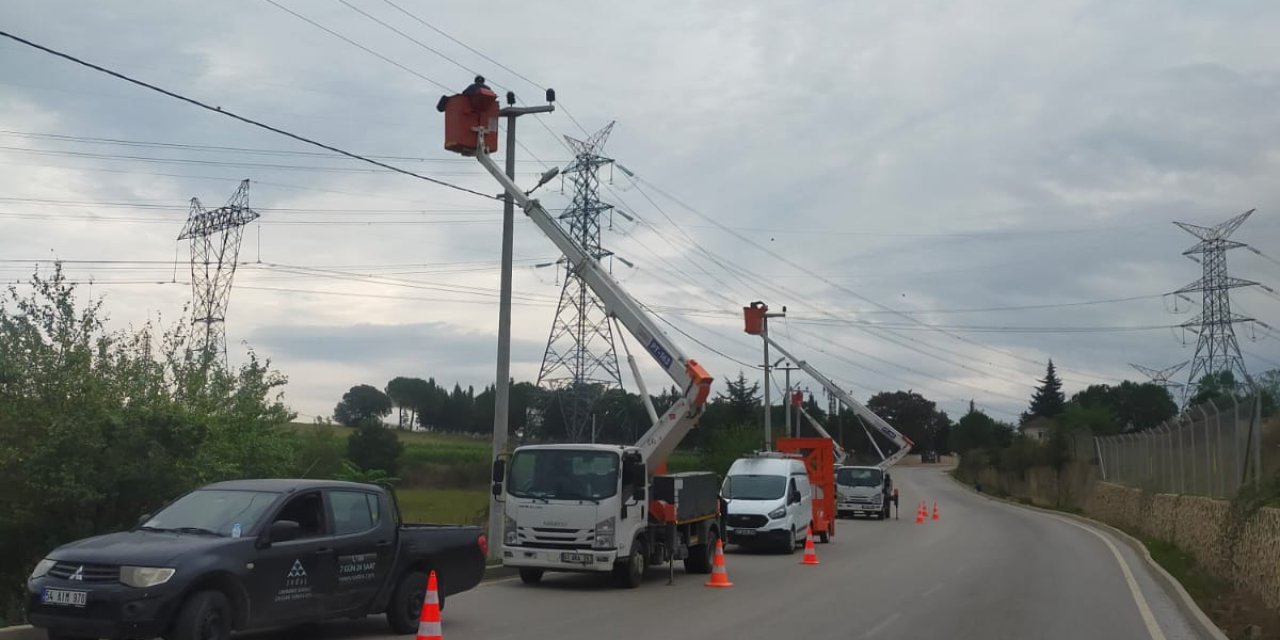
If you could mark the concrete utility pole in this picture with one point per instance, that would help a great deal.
(792, 427)
(502, 386)
(768, 402)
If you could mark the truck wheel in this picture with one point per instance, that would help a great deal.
(404, 610)
(206, 615)
(629, 573)
(702, 556)
(529, 575)
(824, 536)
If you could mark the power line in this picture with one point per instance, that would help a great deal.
(235, 116)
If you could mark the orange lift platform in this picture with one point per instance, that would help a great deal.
(819, 458)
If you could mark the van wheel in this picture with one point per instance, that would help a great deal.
(405, 608)
(702, 556)
(529, 575)
(204, 616)
(790, 547)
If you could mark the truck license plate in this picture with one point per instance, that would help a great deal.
(64, 597)
(576, 558)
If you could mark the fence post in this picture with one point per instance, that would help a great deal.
(1182, 461)
(1255, 428)
(1237, 477)
(1211, 455)
(1168, 458)
(1102, 463)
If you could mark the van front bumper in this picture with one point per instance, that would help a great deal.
(743, 536)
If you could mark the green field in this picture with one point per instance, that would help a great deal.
(442, 506)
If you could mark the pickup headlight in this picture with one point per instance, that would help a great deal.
(142, 577)
(605, 530)
(42, 568)
(777, 513)
(508, 529)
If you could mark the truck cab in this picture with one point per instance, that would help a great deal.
(863, 491)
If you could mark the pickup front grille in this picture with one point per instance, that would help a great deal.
(79, 572)
(746, 521)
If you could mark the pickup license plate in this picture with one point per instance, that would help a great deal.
(744, 532)
(64, 597)
(576, 558)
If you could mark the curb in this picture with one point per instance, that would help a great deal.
(1172, 587)
(21, 632)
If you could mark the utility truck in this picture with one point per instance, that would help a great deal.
(596, 507)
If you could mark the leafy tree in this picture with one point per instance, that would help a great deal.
(977, 430)
(319, 454)
(99, 426)
(1215, 387)
(910, 413)
(742, 401)
(373, 446)
(1136, 406)
(400, 391)
(1048, 400)
(1096, 419)
(360, 403)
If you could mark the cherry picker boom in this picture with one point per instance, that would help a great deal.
(756, 322)
(597, 507)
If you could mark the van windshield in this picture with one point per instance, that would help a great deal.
(753, 487)
(852, 477)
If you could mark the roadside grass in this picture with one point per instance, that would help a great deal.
(443, 506)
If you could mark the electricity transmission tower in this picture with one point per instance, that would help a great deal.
(215, 245)
(580, 361)
(1160, 377)
(1216, 349)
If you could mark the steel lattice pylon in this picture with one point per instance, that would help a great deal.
(215, 245)
(580, 361)
(1216, 349)
(1160, 377)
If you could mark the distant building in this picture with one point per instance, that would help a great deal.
(1038, 428)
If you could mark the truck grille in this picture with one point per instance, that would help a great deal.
(746, 521)
(555, 538)
(97, 573)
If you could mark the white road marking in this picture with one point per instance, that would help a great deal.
(880, 627)
(1141, 601)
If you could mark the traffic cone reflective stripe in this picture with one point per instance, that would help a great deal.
(920, 511)
(810, 554)
(429, 621)
(935, 509)
(719, 577)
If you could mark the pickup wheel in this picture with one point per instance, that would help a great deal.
(530, 575)
(405, 608)
(629, 573)
(206, 615)
(702, 556)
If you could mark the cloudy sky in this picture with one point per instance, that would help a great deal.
(943, 194)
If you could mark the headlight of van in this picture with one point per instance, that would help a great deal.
(508, 529)
(142, 577)
(42, 568)
(778, 513)
(605, 534)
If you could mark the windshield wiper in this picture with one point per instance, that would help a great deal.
(200, 530)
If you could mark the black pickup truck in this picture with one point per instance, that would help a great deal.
(252, 554)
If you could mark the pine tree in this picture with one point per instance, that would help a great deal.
(1048, 400)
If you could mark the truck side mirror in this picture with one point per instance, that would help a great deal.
(499, 470)
(143, 518)
(637, 492)
(283, 531)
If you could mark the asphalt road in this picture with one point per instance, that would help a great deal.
(985, 571)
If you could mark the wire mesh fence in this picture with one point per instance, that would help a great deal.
(1208, 450)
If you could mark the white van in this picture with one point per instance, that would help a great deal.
(769, 502)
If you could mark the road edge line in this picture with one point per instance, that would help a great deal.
(1170, 584)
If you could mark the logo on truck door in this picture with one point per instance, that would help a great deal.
(296, 586)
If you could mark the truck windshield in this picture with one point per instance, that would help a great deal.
(851, 477)
(213, 512)
(752, 487)
(562, 474)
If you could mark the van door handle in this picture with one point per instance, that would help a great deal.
(382, 544)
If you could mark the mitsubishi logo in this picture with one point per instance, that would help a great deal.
(78, 576)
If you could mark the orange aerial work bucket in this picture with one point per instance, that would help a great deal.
(463, 114)
(754, 317)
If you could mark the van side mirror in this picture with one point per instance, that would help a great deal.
(795, 497)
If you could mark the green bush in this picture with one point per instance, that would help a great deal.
(98, 426)
(373, 446)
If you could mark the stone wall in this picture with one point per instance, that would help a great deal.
(1244, 551)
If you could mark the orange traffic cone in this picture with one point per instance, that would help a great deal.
(920, 513)
(935, 509)
(810, 554)
(429, 622)
(719, 577)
